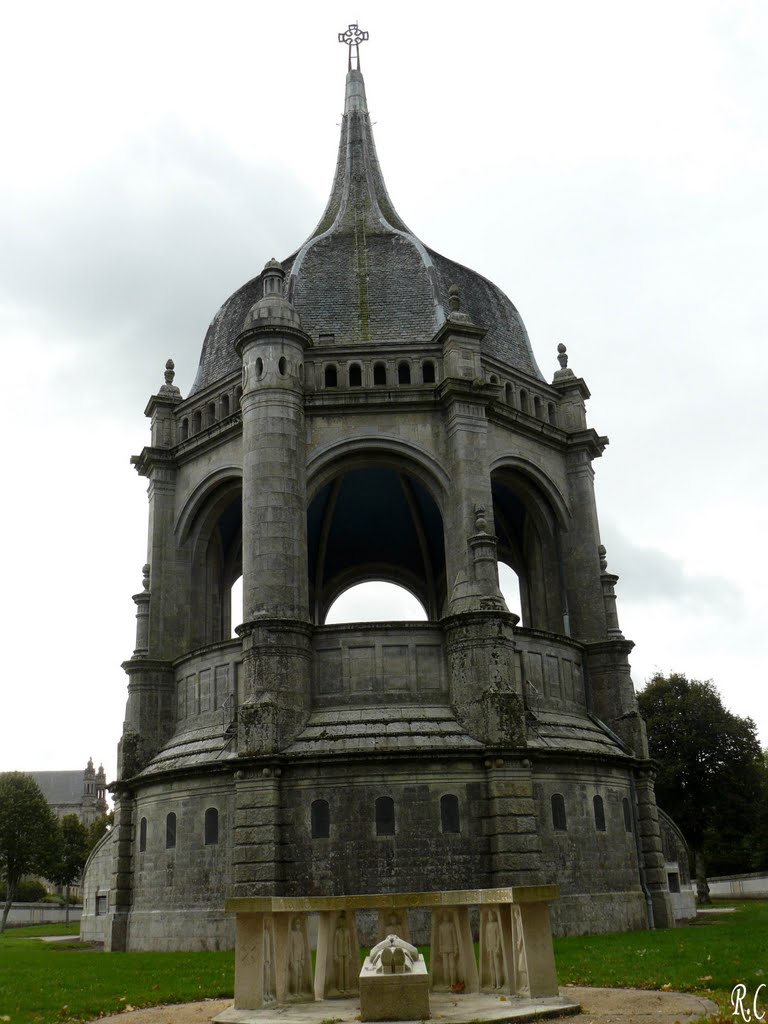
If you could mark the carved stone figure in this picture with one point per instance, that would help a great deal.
(342, 953)
(494, 948)
(296, 954)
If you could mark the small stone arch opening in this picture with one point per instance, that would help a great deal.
(559, 819)
(379, 375)
(142, 835)
(197, 422)
(211, 827)
(282, 366)
(599, 811)
(450, 817)
(385, 816)
(428, 372)
(508, 394)
(210, 414)
(170, 831)
(224, 406)
(330, 377)
(403, 373)
(551, 414)
(320, 819)
(184, 429)
(355, 375)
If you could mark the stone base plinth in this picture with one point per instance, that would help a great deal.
(394, 996)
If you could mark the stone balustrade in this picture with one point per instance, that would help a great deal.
(273, 962)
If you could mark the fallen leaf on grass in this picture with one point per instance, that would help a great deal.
(705, 977)
(666, 988)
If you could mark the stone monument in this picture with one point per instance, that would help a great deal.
(368, 409)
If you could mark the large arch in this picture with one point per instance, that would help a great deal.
(210, 531)
(375, 514)
(529, 516)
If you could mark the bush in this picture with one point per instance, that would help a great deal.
(29, 890)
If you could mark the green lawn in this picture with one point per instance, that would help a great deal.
(43, 983)
(709, 957)
(56, 983)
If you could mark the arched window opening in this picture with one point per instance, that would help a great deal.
(282, 366)
(599, 809)
(494, 379)
(537, 407)
(320, 819)
(551, 413)
(385, 816)
(509, 585)
(379, 375)
(375, 524)
(210, 414)
(170, 831)
(403, 373)
(428, 372)
(559, 820)
(259, 367)
(450, 820)
(238, 395)
(524, 400)
(142, 835)
(224, 406)
(355, 376)
(236, 605)
(330, 377)
(627, 815)
(197, 422)
(527, 530)
(376, 601)
(211, 827)
(508, 394)
(184, 429)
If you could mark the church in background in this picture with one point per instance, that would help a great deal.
(83, 793)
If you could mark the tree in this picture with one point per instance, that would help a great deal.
(73, 853)
(29, 834)
(711, 772)
(97, 828)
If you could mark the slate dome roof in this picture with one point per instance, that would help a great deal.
(363, 277)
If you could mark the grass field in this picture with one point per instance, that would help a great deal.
(58, 983)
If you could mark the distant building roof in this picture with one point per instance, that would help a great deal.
(60, 787)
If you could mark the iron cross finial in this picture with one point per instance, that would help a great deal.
(353, 37)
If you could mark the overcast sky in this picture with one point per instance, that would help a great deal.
(604, 163)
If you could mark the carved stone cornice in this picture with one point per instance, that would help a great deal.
(152, 459)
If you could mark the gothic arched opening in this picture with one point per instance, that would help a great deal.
(375, 523)
(375, 601)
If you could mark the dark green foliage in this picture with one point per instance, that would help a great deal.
(97, 828)
(73, 851)
(29, 890)
(29, 833)
(711, 773)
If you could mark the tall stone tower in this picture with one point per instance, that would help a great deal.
(367, 409)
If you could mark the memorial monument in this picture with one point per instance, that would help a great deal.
(368, 409)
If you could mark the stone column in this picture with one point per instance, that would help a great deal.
(257, 858)
(121, 888)
(479, 629)
(511, 824)
(651, 851)
(276, 631)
